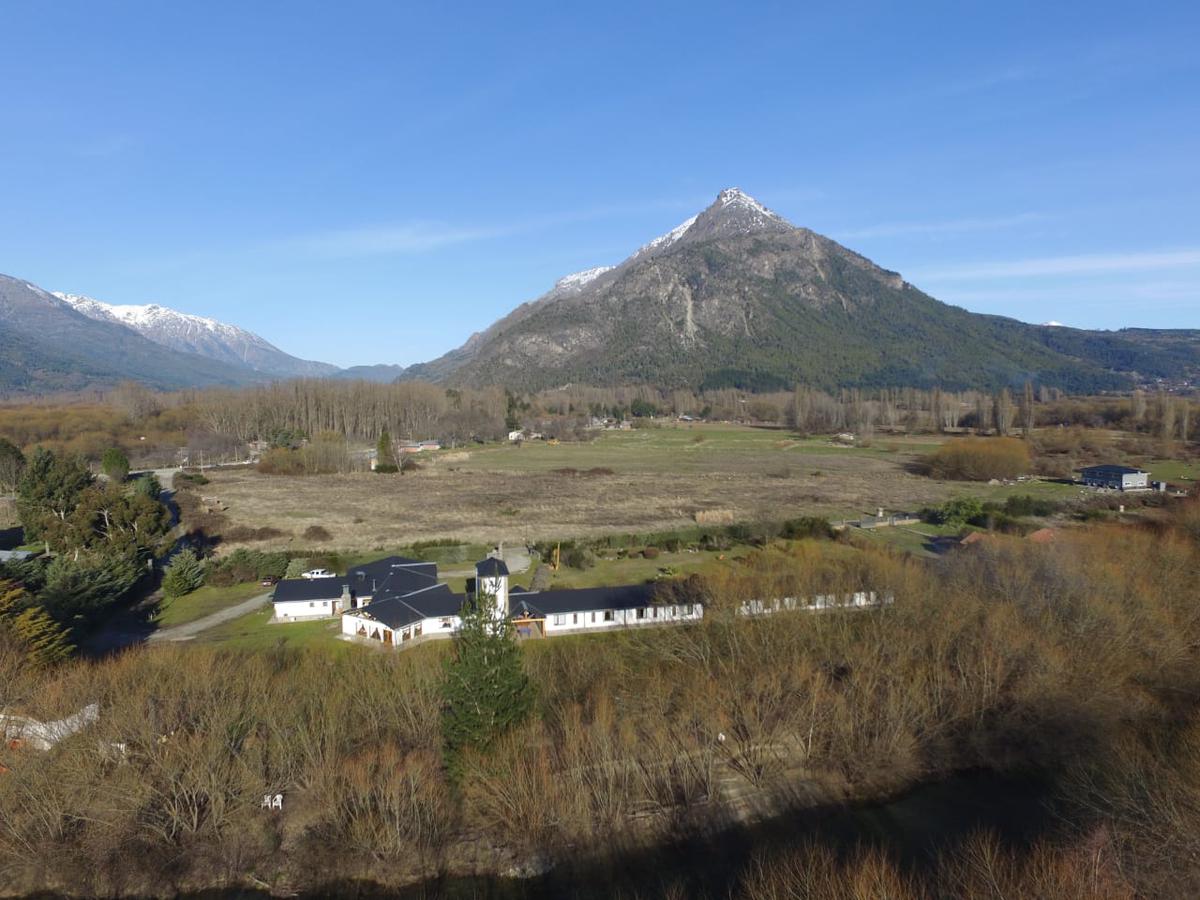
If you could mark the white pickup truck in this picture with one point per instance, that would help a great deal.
(317, 573)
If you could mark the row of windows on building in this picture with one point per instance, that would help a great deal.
(651, 612)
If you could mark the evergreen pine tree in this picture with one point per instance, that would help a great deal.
(485, 691)
(115, 464)
(45, 641)
(385, 456)
(184, 575)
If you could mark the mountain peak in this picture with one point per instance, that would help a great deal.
(734, 195)
(735, 213)
(197, 334)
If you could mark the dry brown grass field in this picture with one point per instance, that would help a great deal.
(637, 481)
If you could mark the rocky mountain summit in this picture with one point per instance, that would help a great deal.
(738, 296)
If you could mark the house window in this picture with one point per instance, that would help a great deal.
(311, 604)
(560, 620)
(574, 618)
(654, 614)
(593, 617)
(608, 615)
(447, 623)
(418, 628)
(641, 613)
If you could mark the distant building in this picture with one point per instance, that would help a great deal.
(317, 598)
(1115, 478)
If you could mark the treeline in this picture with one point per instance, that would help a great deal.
(100, 537)
(1010, 657)
(356, 409)
(215, 425)
(808, 409)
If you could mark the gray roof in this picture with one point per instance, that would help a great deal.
(396, 612)
(292, 590)
(393, 576)
(1112, 470)
(542, 603)
(491, 568)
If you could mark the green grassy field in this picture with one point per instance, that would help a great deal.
(681, 449)
(252, 632)
(205, 601)
(638, 569)
(914, 539)
(1178, 472)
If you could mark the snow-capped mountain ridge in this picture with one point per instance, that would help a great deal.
(735, 209)
(663, 241)
(197, 334)
(577, 280)
(152, 315)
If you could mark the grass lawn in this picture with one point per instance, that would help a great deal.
(252, 633)
(913, 539)
(205, 601)
(637, 569)
(1182, 473)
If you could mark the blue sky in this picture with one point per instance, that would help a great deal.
(371, 182)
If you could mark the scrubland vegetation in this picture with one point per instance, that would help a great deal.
(1076, 660)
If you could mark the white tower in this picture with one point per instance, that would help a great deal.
(491, 578)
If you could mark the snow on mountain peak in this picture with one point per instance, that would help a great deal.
(579, 279)
(739, 198)
(666, 240)
(150, 316)
(197, 334)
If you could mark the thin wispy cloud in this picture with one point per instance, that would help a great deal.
(1097, 264)
(378, 240)
(950, 227)
(425, 237)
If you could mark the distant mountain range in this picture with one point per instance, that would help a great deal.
(733, 296)
(738, 296)
(46, 344)
(203, 337)
(65, 342)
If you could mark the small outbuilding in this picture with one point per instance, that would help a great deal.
(311, 598)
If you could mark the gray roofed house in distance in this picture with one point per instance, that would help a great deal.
(1115, 478)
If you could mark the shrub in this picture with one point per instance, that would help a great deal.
(1025, 505)
(244, 534)
(808, 527)
(246, 565)
(386, 469)
(960, 510)
(297, 567)
(980, 459)
(650, 553)
(115, 464)
(577, 558)
(317, 533)
(408, 464)
(184, 574)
